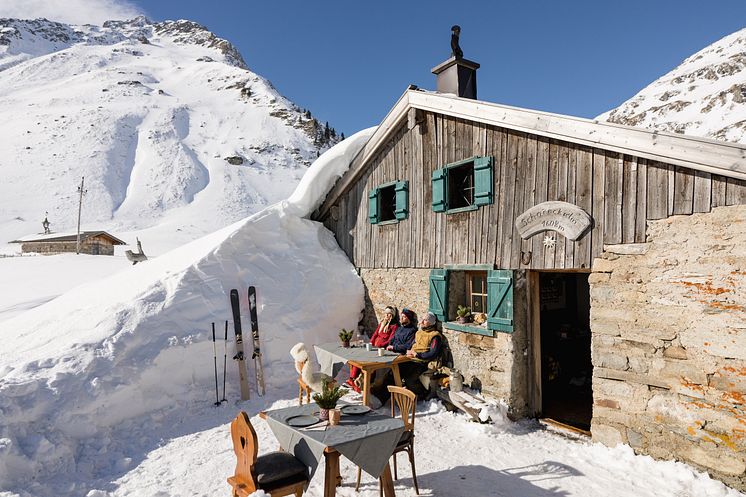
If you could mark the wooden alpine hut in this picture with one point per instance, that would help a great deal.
(609, 261)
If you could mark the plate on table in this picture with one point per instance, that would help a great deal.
(355, 409)
(302, 420)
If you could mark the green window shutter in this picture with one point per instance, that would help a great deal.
(373, 213)
(402, 200)
(483, 183)
(500, 300)
(439, 190)
(439, 293)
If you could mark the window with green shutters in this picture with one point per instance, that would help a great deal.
(499, 298)
(464, 185)
(389, 203)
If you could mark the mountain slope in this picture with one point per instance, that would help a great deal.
(704, 96)
(164, 120)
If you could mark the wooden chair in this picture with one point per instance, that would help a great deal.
(277, 473)
(302, 387)
(406, 401)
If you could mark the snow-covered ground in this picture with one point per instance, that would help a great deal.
(107, 390)
(106, 369)
(454, 457)
(30, 281)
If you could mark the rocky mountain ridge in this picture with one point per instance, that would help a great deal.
(704, 96)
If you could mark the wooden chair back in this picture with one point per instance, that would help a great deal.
(246, 448)
(406, 401)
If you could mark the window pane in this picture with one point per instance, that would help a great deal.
(461, 186)
(387, 199)
(477, 283)
(477, 289)
(476, 303)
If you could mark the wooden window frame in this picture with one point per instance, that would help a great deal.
(386, 186)
(477, 200)
(400, 198)
(466, 193)
(470, 289)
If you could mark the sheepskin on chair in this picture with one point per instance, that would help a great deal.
(313, 379)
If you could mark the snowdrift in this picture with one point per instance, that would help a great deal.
(84, 375)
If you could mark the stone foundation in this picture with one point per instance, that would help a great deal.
(668, 319)
(495, 365)
(51, 248)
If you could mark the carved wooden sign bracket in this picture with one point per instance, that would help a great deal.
(564, 218)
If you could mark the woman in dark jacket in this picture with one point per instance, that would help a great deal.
(404, 335)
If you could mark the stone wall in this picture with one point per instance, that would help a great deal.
(668, 319)
(50, 248)
(495, 365)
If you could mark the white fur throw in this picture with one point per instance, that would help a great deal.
(313, 379)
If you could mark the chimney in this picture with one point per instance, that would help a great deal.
(458, 76)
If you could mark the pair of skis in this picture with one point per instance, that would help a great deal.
(256, 354)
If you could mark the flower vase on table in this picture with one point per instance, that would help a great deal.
(327, 399)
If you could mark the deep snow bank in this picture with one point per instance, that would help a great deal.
(78, 374)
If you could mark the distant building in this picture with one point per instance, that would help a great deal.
(91, 242)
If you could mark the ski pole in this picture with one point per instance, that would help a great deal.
(225, 359)
(215, 360)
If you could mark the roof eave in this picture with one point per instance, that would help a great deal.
(702, 154)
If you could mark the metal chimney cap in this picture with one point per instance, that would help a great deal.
(452, 61)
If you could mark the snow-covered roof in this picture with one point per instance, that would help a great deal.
(703, 154)
(67, 237)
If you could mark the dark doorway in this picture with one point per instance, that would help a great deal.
(566, 367)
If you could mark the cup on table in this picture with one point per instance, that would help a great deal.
(334, 415)
(381, 352)
(368, 347)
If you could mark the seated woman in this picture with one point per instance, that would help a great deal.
(426, 347)
(404, 334)
(381, 338)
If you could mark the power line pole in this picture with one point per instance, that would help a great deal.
(81, 191)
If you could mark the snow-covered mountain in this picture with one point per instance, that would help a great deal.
(167, 124)
(704, 96)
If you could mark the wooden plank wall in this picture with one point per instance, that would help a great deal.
(620, 192)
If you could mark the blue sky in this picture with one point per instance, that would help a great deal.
(348, 62)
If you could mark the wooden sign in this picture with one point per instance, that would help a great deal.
(567, 219)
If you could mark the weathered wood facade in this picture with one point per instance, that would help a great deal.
(620, 191)
(660, 268)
